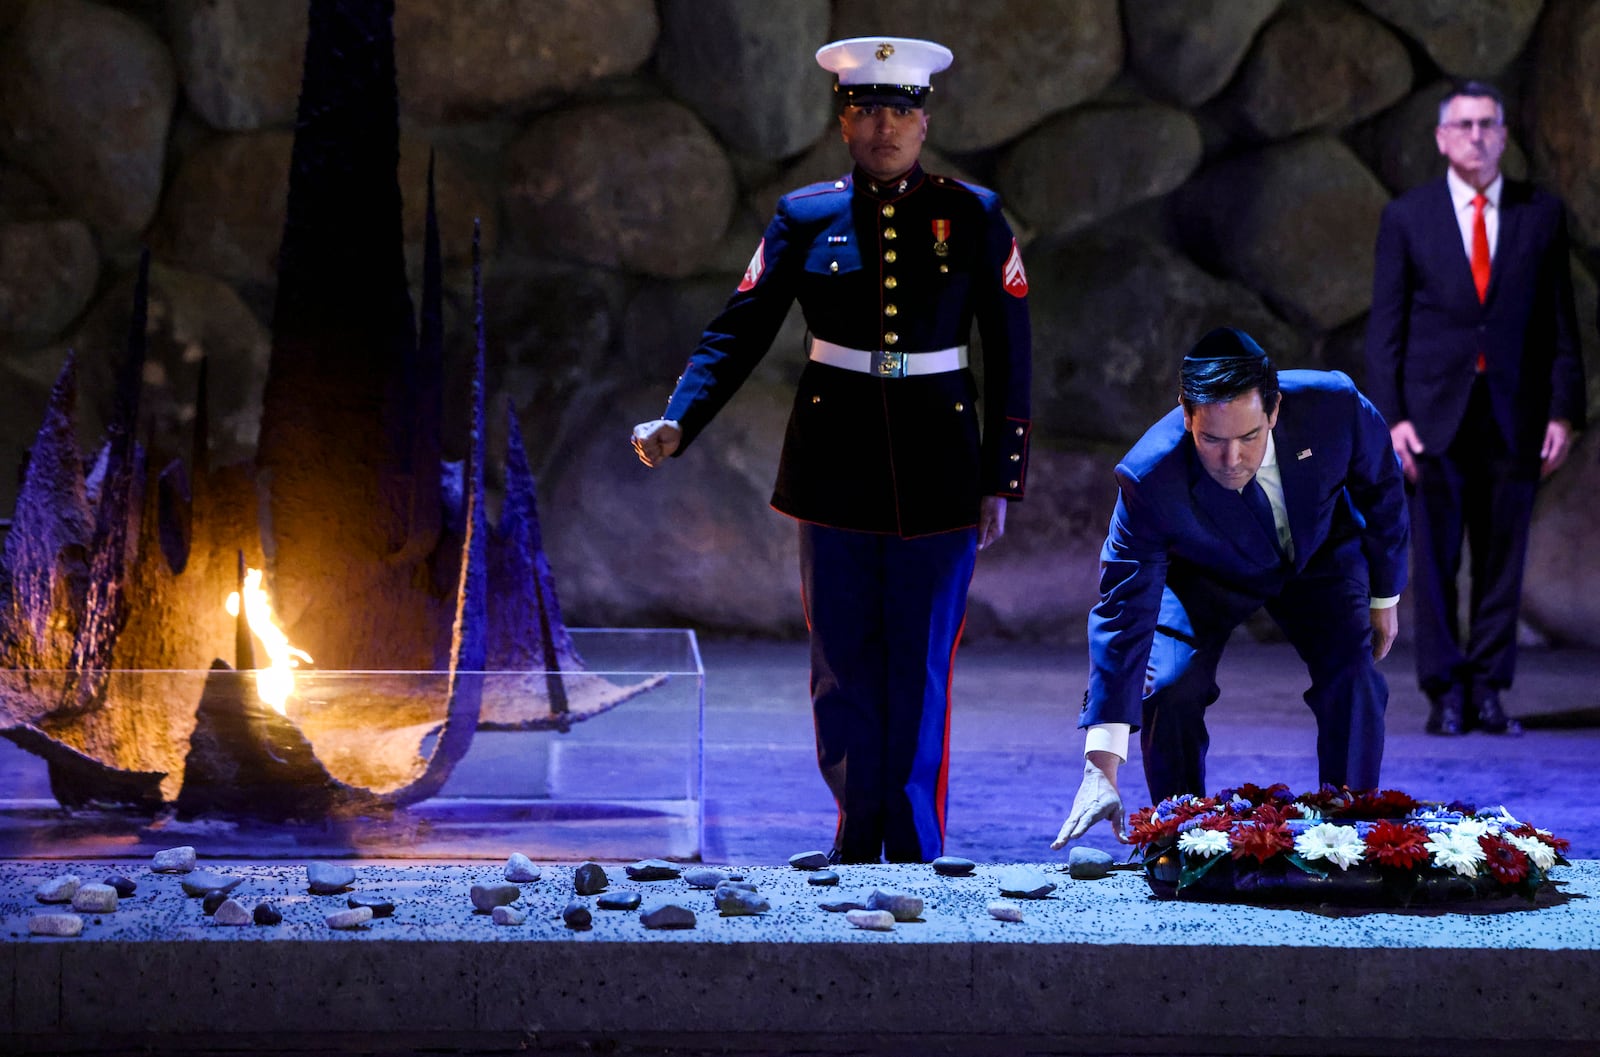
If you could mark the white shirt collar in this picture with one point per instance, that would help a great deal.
(1462, 193)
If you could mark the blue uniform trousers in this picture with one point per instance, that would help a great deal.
(1323, 612)
(885, 615)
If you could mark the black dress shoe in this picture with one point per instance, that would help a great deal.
(1445, 712)
(1492, 718)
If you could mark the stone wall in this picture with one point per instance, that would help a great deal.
(1170, 167)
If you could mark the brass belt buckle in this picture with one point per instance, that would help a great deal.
(888, 364)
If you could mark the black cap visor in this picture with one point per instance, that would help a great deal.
(881, 95)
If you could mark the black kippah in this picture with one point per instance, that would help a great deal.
(1225, 343)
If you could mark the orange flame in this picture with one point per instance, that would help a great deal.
(275, 682)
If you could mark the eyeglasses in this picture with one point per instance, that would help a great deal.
(1465, 126)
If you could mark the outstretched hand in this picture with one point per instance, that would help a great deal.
(1097, 800)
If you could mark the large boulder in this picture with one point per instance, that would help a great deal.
(48, 272)
(636, 185)
(692, 542)
(86, 96)
(1558, 588)
(1322, 64)
(1565, 95)
(749, 71)
(1466, 38)
(1295, 221)
(1112, 316)
(225, 211)
(239, 60)
(1117, 155)
(1187, 52)
(1016, 61)
(477, 58)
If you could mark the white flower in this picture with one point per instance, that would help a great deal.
(1309, 813)
(1477, 827)
(1456, 849)
(1340, 845)
(1541, 854)
(1203, 842)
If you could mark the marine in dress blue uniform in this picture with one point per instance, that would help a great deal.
(894, 464)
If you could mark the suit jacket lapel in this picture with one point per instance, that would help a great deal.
(1447, 237)
(1511, 200)
(1298, 471)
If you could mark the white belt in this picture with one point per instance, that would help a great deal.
(889, 364)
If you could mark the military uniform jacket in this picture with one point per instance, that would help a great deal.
(903, 267)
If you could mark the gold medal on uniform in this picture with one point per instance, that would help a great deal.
(941, 238)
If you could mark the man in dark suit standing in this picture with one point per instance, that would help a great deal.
(1472, 356)
(1260, 489)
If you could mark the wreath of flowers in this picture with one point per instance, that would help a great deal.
(1333, 831)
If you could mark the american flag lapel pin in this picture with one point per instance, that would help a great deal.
(1303, 453)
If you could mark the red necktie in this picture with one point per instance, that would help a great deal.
(1480, 249)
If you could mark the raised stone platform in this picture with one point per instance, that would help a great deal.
(1097, 967)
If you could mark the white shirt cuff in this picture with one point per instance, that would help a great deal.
(1108, 737)
(1384, 603)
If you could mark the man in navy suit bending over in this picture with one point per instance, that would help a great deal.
(1260, 489)
(1472, 356)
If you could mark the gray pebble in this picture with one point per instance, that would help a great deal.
(577, 915)
(618, 901)
(652, 870)
(326, 878)
(664, 914)
(173, 860)
(231, 912)
(124, 886)
(520, 868)
(589, 879)
(834, 906)
(810, 860)
(1019, 882)
(875, 920)
(953, 866)
(736, 902)
(743, 886)
(55, 925)
(486, 897)
(349, 919)
(903, 905)
(212, 900)
(1088, 864)
(200, 882)
(823, 877)
(380, 905)
(59, 889)
(95, 899)
(704, 877)
(266, 914)
(508, 916)
(736, 877)
(1002, 910)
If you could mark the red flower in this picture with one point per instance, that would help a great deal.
(1379, 804)
(1398, 844)
(1274, 814)
(1260, 841)
(1559, 845)
(1219, 822)
(1144, 828)
(1257, 795)
(1329, 800)
(1508, 863)
(1190, 808)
